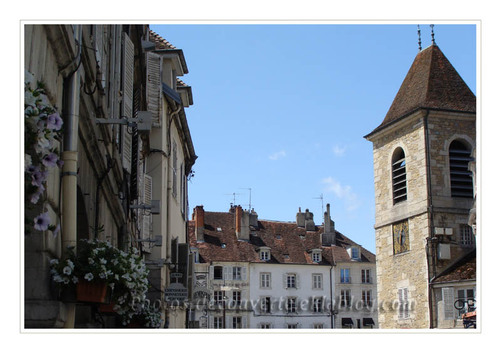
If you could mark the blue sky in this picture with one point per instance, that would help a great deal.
(282, 109)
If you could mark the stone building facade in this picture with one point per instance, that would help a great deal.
(423, 189)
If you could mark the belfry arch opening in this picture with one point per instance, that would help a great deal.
(399, 191)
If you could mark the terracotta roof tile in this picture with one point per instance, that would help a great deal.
(288, 242)
(462, 269)
(432, 82)
(160, 43)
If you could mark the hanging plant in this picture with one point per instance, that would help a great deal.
(43, 128)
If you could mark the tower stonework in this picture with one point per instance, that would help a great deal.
(422, 196)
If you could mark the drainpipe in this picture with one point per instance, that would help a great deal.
(331, 291)
(70, 167)
(430, 208)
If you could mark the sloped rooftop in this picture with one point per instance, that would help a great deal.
(288, 243)
(431, 83)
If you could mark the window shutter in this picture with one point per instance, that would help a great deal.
(284, 280)
(228, 274)
(244, 322)
(146, 199)
(128, 98)
(211, 272)
(448, 303)
(243, 273)
(297, 281)
(401, 302)
(153, 87)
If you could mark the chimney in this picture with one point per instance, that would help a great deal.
(199, 222)
(301, 219)
(254, 219)
(328, 236)
(309, 221)
(242, 224)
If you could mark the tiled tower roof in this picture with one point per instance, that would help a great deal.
(431, 83)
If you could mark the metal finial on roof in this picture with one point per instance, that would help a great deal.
(432, 34)
(419, 38)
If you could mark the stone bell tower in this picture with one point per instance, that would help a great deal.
(423, 188)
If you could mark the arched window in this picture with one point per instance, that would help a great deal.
(398, 176)
(460, 176)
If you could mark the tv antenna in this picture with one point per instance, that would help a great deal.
(234, 197)
(250, 198)
(320, 198)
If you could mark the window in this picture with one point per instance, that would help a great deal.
(366, 296)
(398, 176)
(404, 307)
(218, 272)
(264, 254)
(318, 326)
(292, 326)
(318, 305)
(316, 256)
(317, 280)
(265, 305)
(365, 276)
(354, 252)
(218, 297)
(345, 298)
(344, 275)
(218, 323)
(467, 300)
(237, 322)
(237, 273)
(265, 280)
(265, 325)
(291, 280)
(400, 237)
(291, 305)
(460, 176)
(466, 235)
(237, 298)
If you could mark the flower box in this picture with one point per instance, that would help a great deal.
(91, 292)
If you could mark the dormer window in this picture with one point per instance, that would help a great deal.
(264, 253)
(316, 255)
(353, 252)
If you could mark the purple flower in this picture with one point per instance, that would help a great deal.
(42, 221)
(50, 160)
(54, 122)
(60, 163)
(34, 197)
(38, 177)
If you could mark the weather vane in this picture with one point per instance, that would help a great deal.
(419, 39)
(432, 34)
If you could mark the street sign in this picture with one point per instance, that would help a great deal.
(176, 292)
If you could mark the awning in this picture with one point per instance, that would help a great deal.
(347, 321)
(368, 321)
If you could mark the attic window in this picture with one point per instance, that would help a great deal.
(264, 254)
(353, 252)
(398, 176)
(278, 236)
(286, 256)
(223, 245)
(219, 229)
(316, 255)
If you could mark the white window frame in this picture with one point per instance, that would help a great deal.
(237, 273)
(343, 277)
(317, 305)
(366, 297)
(317, 281)
(345, 298)
(291, 280)
(318, 325)
(265, 280)
(292, 326)
(218, 322)
(291, 305)
(366, 276)
(264, 325)
(265, 254)
(265, 305)
(218, 297)
(316, 256)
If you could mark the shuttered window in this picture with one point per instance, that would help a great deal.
(146, 199)
(460, 176)
(399, 192)
(153, 87)
(448, 299)
(404, 308)
(127, 99)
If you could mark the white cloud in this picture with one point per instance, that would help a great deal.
(343, 192)
(277, 155)
(339, 151)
